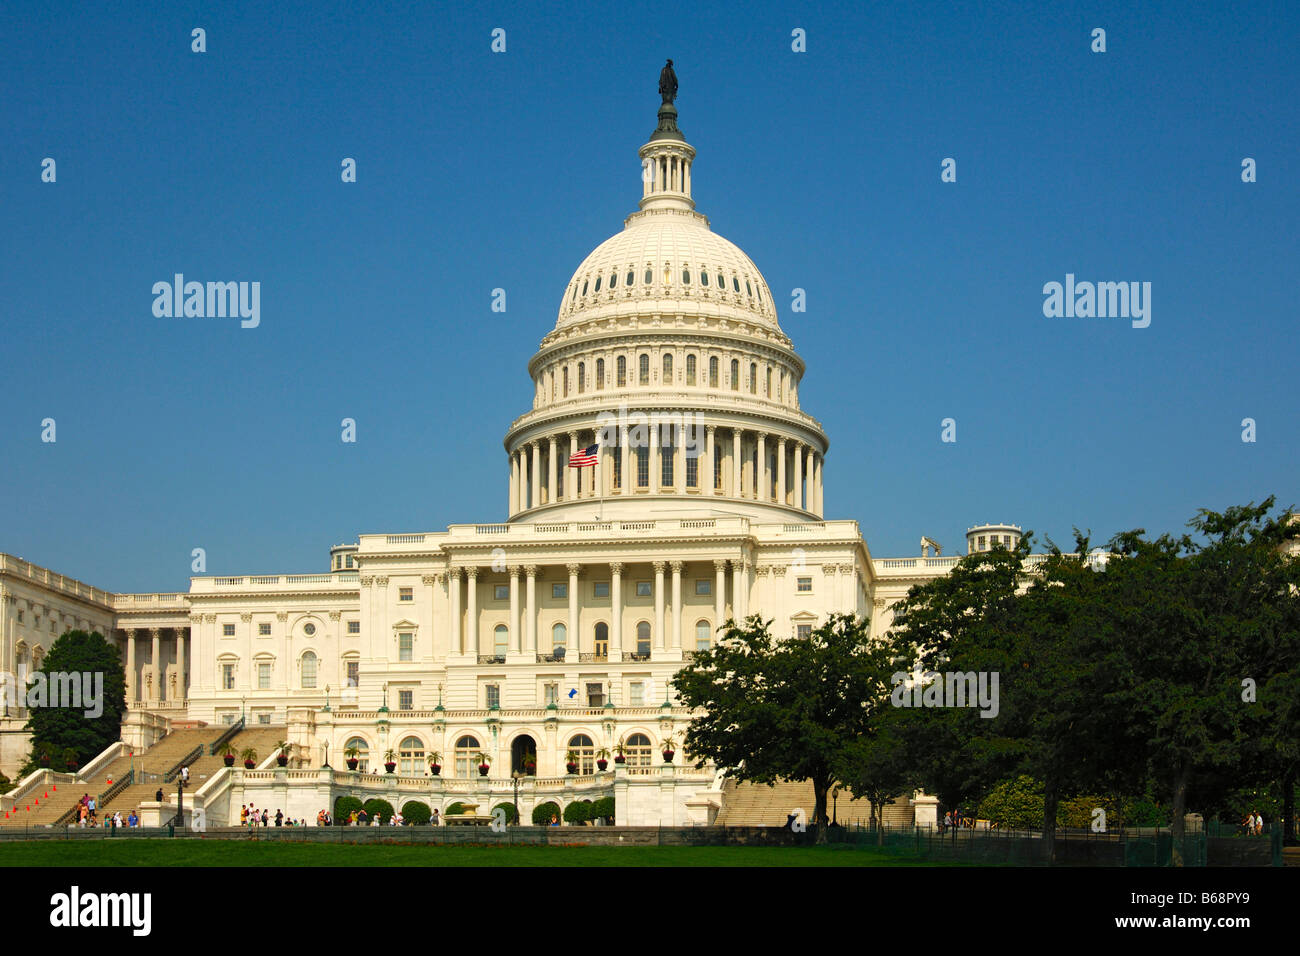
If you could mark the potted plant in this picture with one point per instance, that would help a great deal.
(282, 758)
(230, 755)
(390, 761)
(250, 758)
(602, 758)
(571, 761)
(484, 764)
(352, 753)
(45, 760)
(435, 763)
(70, 759)
(618, 752)
(530, 763)
(670, 748)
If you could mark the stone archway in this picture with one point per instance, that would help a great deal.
(522, 745)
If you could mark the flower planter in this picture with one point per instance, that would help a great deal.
(602, 764)
(668, 756)
(435, 769)
(571, 767)
(282, 760)
(530, 769)
(619, 758)
(483, 769)
(229, 759)
(250, 765)
(352, 763)
(389, 766)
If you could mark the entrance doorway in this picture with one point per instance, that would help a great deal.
(523, 746)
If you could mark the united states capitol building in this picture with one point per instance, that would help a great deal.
(559, 629)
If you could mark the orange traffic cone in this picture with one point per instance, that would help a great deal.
(38, 801)
(47, 794)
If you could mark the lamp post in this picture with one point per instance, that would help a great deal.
(517, 775)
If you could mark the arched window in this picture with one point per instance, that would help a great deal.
(649, 276)
(575, 294)
(704, 277)
(767, 385)
(584, 286)
(363, 752)
(582, 377)
(690, 370)
(566, 382)
(735, 375)
(600, 373)
(686, 275)
(643, 640)
(637, 750)
(584, 752)
(597, 289)
(559, 638)
(703, 635)
(410, 756)
(630, 277)
(622, 371)
(613, 280)
(717, 467)
(713, 371)
(748, 290)
(735, 284)
(753, 378)
(643, 370)
(309, 670)
(668, 368)
(500, 640)
(600, 648)
(467, 750)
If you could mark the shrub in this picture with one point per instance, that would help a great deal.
(416, 814)
(509, 808)
(343, 808)
(603, 809)
(1014, 804)
(375, 805)
(543, 812)
(578, 812)
(453, 809)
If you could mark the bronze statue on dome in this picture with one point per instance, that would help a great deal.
(668, 83)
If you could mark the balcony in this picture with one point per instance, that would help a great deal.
(587, 657)
(551, 658)
(635, 656)
(491, 658)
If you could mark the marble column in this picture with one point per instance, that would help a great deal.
(780, 471)
(536, 447)
(551, 462)
(530, 610)
(133, 684)
(453, 590)
(155, 665)
(516, 631)
(629, 471)
(738, 590)
(677, 605)
(616, 611)
(810, 498)
(762, 484)
(571, 475)
(471, 610)
(706, 472)
(180, 663)
(736, 490)
(574, 645)
(798, 474)
(659, 605)
(719, 595)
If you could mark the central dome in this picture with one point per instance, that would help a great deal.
(671, 258)
(666, 387)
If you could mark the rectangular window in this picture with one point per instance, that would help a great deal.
(263, 676)
(643, 589)
(406, 646)
(703, 587)
(551, 694)
(493, 695)
(228, 719)
(264, 629)
(804, 631)
(600, 589)
(559, 591)
(636, 693)
(501, 592)
(666, 465)
(227, 676)
(20, 617)
(354, 627)
(354, 673)
(406, 700)
(805, 585)
(692, 471)
(643, 467)
(264, 717)
(227, 630)
(717, 467)
(617, 456)
(406, 594)
(595, 695)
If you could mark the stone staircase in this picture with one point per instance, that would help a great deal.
(758, 805)
(261, 738)
(156, 761)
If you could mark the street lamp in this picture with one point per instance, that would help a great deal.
(517, 775)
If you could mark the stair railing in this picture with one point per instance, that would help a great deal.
(225, 738)
(185, 761)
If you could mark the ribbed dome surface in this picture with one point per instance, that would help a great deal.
(685, 262)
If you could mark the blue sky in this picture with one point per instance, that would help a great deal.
(479, 170)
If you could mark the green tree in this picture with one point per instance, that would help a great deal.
(416, 813)
(543, 812)
(56, 731)
(787, 709)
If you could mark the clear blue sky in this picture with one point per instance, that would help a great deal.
(478, 170)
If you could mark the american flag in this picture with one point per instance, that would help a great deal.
(585, 458)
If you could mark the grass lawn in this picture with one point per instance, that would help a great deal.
(192, 852)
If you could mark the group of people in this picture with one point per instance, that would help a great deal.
(88, 815)
(959, 820)
(1252, 824)
(251, 817)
